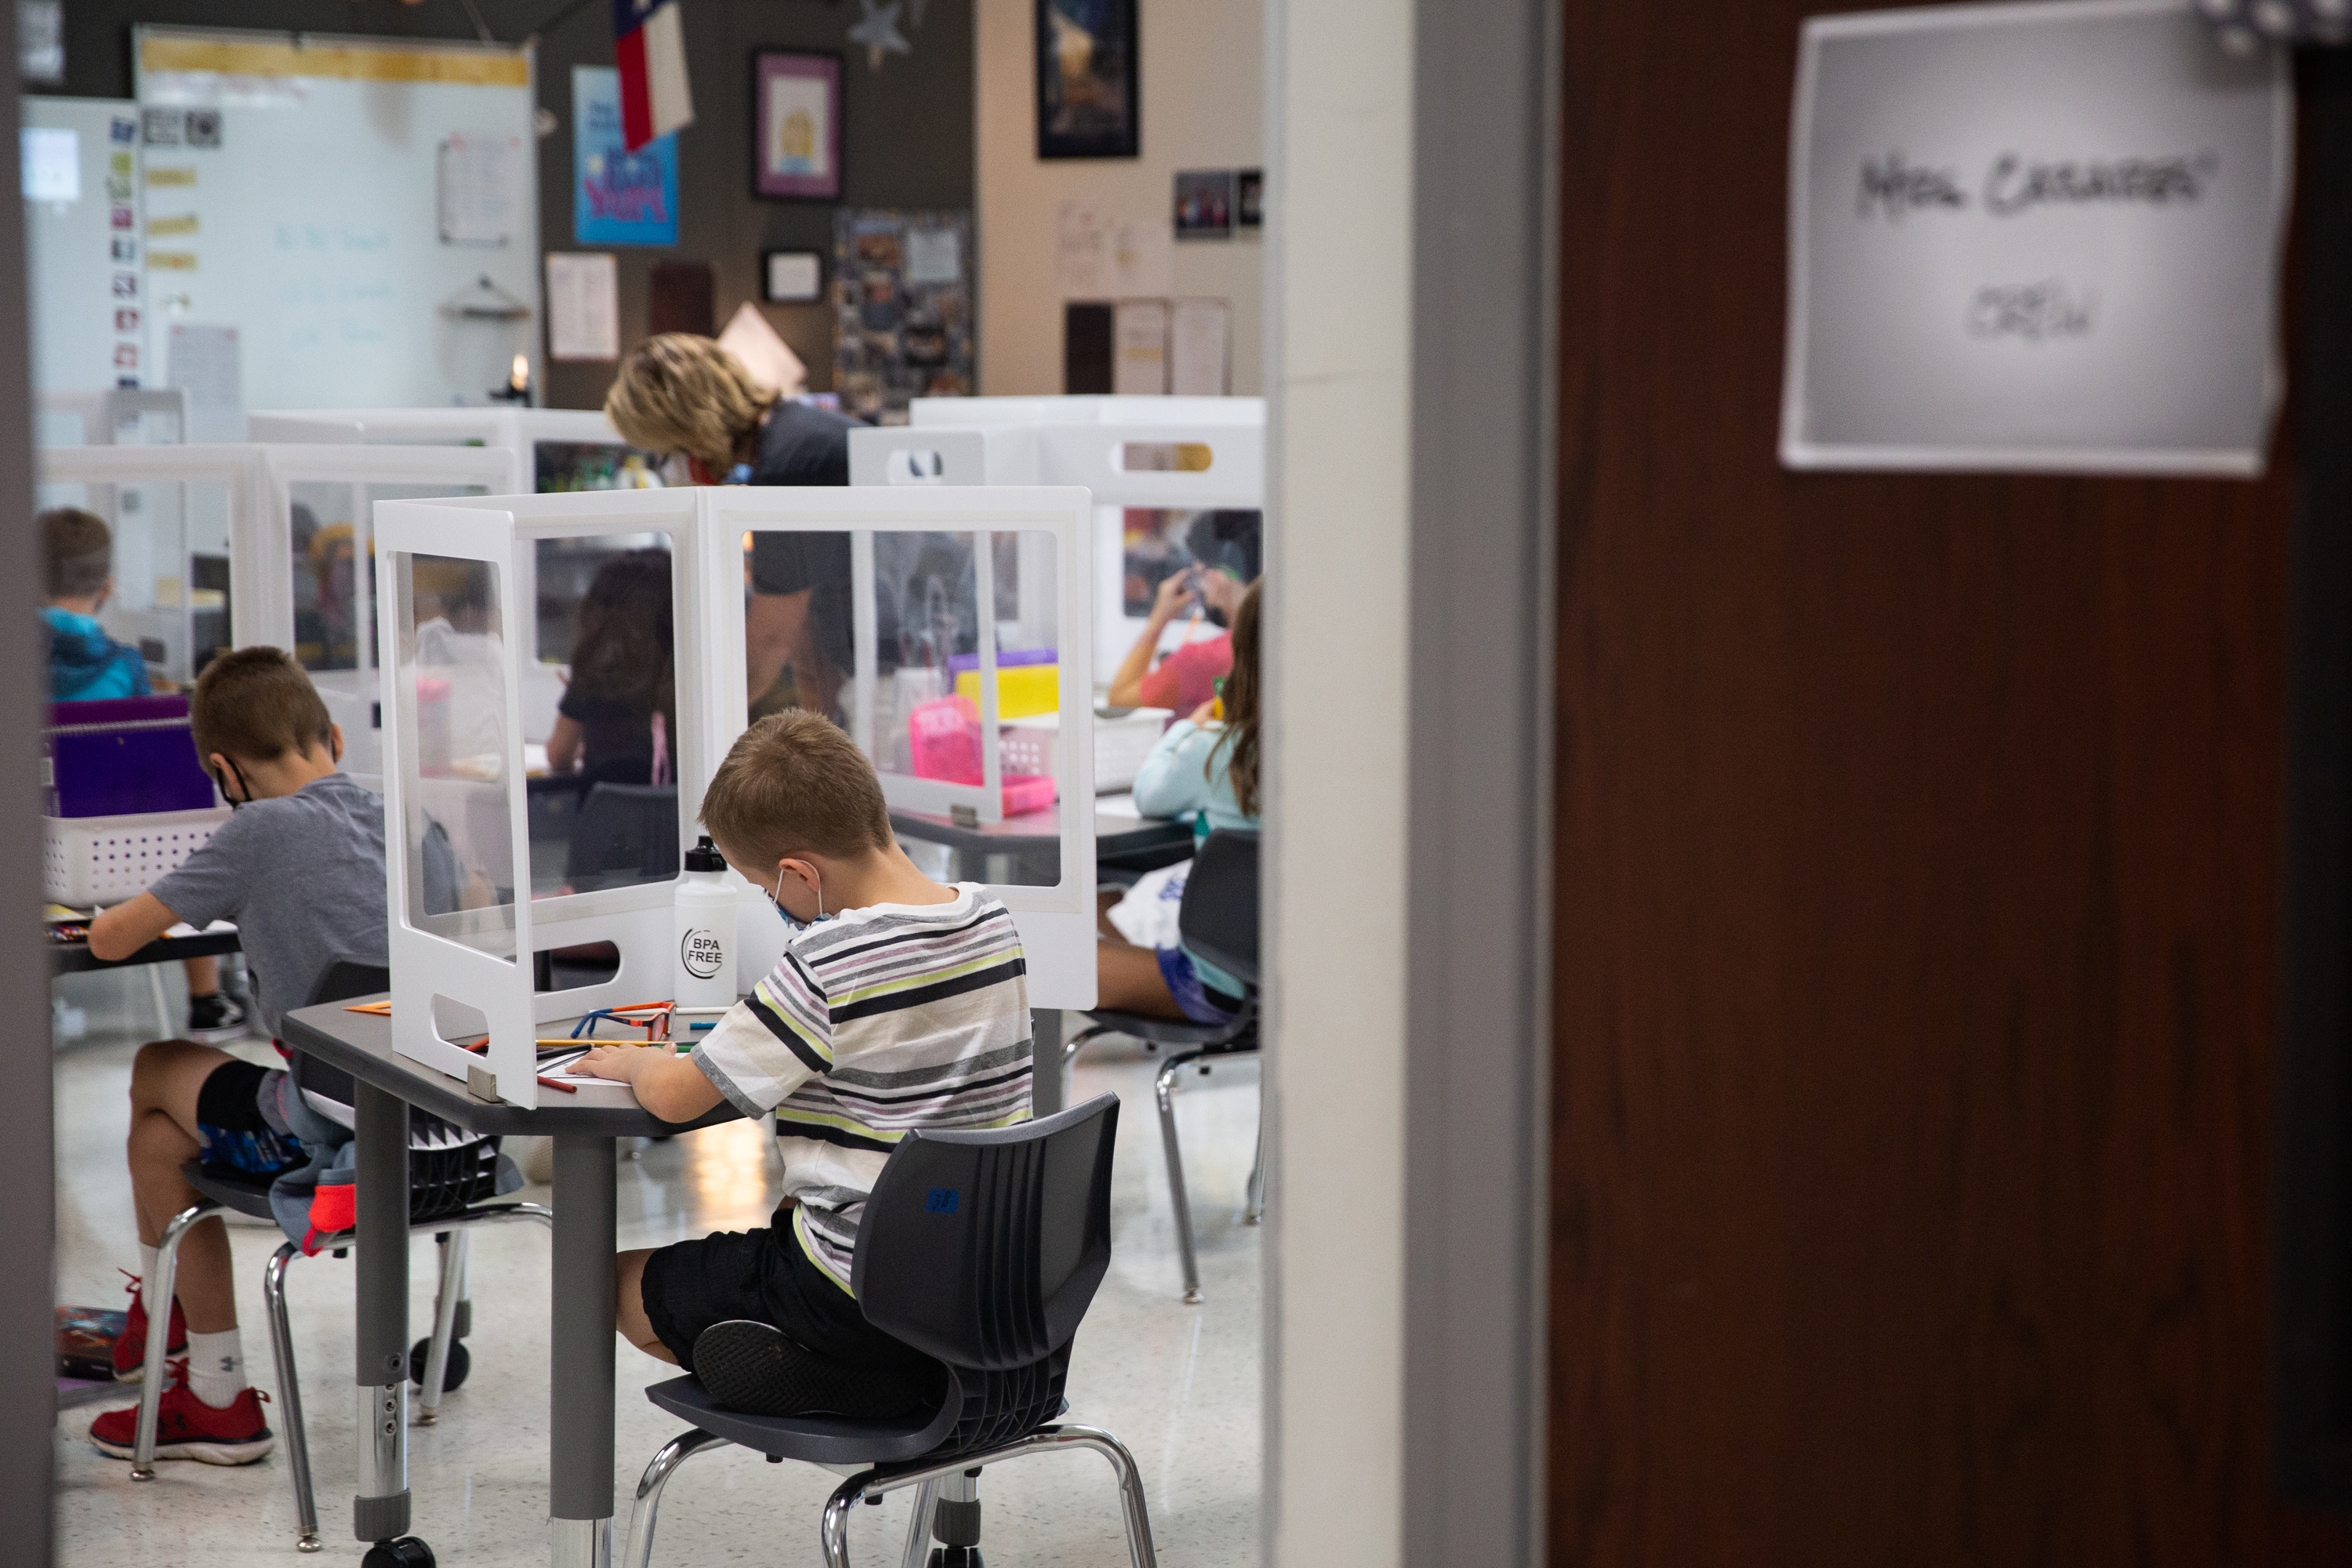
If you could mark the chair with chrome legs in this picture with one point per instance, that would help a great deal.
(984, 1250)
(1219, 921)
(451, 1173)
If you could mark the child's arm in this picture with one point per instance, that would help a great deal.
(125, 929)
(669, 1086)
(1174, 778)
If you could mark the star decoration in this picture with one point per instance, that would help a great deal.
(877, 29)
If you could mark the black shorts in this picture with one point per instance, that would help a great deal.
(763, 1275)
(232, 1128)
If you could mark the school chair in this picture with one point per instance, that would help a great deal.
(625, 830)
(984, 1250)
(1219, 921)
(451, 1173)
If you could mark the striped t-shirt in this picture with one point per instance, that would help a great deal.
(881, 1019)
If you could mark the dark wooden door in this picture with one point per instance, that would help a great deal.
(1919, 884)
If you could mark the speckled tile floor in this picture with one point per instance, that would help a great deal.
(1179, 1384)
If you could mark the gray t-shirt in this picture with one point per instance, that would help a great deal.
(302, 876)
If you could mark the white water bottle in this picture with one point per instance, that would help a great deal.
(704, 910)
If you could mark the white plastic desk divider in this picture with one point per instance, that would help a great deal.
(517, 431)
(457, 972)
(260, 478)
(1082, 441)
(1056, 922)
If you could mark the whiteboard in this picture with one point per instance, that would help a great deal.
(338, 194)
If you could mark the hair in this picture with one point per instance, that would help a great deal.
(793, 784)
(624, 649)
(679, 393)
(77, 552)
(255, 704)
(1229, 540)
(1244, 704)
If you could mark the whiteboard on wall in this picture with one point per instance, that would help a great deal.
(339, 201)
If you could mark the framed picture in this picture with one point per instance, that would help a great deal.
(1204, 204)
(796, 125)
(1086, 103)
(793, 277)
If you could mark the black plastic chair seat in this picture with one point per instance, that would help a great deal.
(815, 1439)
(1240, 1034)
(232, 1189)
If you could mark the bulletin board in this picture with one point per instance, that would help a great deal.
(341, 202)
(902, 290)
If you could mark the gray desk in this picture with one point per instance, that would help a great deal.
(1001, 852)
(580, 1347)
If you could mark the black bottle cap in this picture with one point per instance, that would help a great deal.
(705, 857)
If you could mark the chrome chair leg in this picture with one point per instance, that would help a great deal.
(919, 1529)
(639, 1552)
(1139, 1551)
(289, 1393)
(157, 1293)
(1164, 1086)
(834, 1530)
(445, 1325)
(1254, 1207)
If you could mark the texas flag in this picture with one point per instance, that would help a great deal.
(649, 48)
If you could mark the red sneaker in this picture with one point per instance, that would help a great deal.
(188, 1428)
(131, 1349)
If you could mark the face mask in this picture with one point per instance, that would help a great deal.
(741, 474)
(243, 796)
(792, 922)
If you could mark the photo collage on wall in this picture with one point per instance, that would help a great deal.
(902, 290)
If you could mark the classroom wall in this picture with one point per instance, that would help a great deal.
(906, 130)
(1202, 86)
(1919, 881)
(1337, 662)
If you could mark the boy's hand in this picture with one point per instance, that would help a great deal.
(621, 1063)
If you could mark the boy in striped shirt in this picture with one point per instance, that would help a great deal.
(898, 1004)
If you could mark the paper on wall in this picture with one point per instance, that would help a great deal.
(583, 306)
(1098, 256)
(770, 359)
(1199, 333)
(480, 179)
(204, 364)
(1139, 349)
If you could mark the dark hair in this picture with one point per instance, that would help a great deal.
(625, 649)
(257, 705)
(1242, 699)
(1229, 540)
(77, 551)
(793, 784)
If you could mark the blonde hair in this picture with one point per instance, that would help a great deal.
(681, 392)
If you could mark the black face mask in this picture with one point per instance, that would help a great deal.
(244, 790)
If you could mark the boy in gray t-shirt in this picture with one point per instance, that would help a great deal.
(299, 867)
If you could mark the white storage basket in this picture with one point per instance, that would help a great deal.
(1031, 745)
(91, 860)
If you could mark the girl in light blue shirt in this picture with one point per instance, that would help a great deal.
(1206, 766)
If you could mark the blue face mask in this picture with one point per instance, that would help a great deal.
(792, 922)
(741, 474)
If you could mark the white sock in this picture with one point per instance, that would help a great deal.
(216, 1367)
(146, 1262)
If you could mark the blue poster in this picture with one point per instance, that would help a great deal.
(619, 197)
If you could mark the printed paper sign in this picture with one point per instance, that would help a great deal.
(2033, 236)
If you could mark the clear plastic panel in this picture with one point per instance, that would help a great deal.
(450, 683)
(879, 630)
(331, 523)
(169, 566)
(563, 466)
(605, 813)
